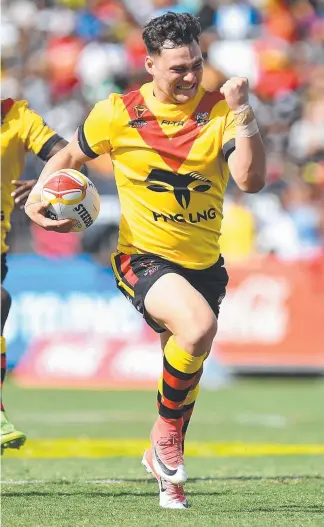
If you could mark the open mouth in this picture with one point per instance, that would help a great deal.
(185, 87)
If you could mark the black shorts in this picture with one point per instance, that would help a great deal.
(135, 274)
(4, 267)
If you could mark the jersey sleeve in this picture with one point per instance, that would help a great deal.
(35, 134)
(229, 135)
(94, 136)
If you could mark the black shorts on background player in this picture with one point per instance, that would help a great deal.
(135, 274)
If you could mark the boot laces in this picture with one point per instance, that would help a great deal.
(171, 448)
(176, 492)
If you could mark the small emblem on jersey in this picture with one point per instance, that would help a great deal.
(180, 184)
(202, 118)
(137, 123)
(140, 110)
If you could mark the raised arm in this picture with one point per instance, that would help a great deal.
(247, 162)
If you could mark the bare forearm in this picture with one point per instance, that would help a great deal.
(249, 163)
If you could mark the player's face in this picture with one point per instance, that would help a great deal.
(177, 73)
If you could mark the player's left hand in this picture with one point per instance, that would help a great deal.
(236, 92)
(21, 193)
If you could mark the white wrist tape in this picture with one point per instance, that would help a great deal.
(243, 114)
(247, 130)
(244, 107)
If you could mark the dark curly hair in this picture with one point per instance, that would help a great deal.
(179, 29)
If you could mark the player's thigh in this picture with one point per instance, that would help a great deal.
(174, 303)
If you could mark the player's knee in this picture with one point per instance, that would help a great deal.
(199, 334)
(5, 306)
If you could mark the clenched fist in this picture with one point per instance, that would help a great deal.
(236, 92)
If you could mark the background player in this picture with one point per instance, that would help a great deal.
(172, 145)
(22, 131)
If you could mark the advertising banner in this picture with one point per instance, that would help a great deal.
(64, 296)
(70, 326)
(273, 316)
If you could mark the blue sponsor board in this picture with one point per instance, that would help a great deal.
(63, 296)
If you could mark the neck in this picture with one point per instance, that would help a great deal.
(161, 96)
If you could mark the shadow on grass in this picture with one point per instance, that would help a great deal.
(315, 509)
(55, 494)
(93, 493)
(215, 478)
(67, 488)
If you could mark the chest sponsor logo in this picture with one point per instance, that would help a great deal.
(180, 184)
(191, 217)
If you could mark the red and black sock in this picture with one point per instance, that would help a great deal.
(179, 373)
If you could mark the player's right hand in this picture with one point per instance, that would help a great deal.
(36, 212)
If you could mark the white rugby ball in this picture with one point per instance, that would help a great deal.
(71, 196)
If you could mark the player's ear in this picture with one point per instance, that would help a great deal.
(149, 65)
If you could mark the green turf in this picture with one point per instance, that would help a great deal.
(262, 491)
(249, 410)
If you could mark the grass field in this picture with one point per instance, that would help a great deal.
(260, 446)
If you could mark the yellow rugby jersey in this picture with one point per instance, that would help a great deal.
(22, 131)
(170, 164)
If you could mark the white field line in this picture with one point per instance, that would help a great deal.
(131, 481)
(63, 482)
(270, 421)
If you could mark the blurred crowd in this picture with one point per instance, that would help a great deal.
(65, 55)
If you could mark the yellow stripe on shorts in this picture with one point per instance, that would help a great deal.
(120, 280)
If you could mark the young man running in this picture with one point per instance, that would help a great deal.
(173, 146)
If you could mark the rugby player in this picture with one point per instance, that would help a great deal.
(173, 146)
(22, 131)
